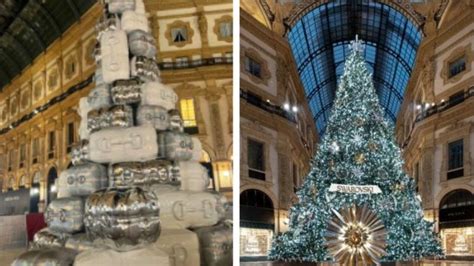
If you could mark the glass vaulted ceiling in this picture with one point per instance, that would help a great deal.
(319, 41)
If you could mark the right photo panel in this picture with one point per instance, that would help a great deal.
(356, 132)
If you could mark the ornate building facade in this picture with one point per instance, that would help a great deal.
(38, 119)
(436, 125)
(277, 133)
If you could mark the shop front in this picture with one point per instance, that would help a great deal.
(456, 223)
(257, 225)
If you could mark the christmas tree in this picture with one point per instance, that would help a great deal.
(357, 205)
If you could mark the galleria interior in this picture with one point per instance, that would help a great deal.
(48, 62)
(421, 56)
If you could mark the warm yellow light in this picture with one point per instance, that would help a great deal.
(187, 112)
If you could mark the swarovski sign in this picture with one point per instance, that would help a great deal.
(355, 189)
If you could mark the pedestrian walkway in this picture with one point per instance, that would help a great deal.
(7, 256)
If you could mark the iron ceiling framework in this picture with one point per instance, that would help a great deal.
(28, 27)
(319, 38)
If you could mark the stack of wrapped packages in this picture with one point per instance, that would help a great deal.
(136, 194)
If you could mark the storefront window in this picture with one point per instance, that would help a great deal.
(255, 242)
(458, 241)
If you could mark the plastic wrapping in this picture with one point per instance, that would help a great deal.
(65, 215)
(107, 23)
(119, 6)
(115, 116)
(132, 20)
(114, 49)
(156, 93)
(181, 245)
(144, 68)
(82, 180)
(99, 97)
(193, 176)
(155, 116)
(147, 256)
(215, 243)
(176, 122)
(185, 209)
(175, 146)
(129, 174)
(80, 152)
(79, 242)
(133, 144)
(84, 108)
(47, 238)
(49, 257)
(126, 91)
(141, 43)
(128, 216)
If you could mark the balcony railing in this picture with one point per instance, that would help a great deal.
(453, 101)
(195, 63)
(257, 101)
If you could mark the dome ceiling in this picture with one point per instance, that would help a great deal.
(28, 27)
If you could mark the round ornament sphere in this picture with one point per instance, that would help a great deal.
(372, 146)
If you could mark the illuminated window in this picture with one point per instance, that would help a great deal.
(457, 66)
(455, 159)
(188, 113)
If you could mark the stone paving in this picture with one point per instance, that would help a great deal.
(7, 256)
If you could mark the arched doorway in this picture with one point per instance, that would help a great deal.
(51, 186)
(35, 192)
(456, 223)
(257, 223)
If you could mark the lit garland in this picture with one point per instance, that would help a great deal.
(357, 149)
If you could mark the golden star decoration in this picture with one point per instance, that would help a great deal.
(356, 236)
(360, 158)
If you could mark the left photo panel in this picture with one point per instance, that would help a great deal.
(116, 132)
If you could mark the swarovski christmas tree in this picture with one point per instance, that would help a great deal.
(357, 205)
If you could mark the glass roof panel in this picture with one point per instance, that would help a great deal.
(319, 41)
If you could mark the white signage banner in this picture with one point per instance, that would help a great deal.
(355, 189)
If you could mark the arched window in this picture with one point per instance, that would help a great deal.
(256, 207)
(256, 223)
(457, 209)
